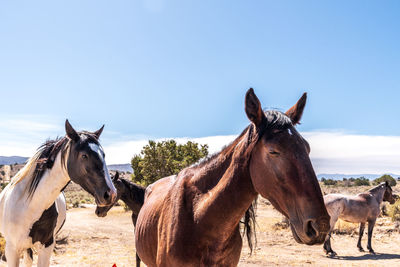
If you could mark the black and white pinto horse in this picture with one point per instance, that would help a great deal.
(32, 207)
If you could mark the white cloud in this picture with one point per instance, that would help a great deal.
(21, 135)
(331, 152)
(122, 152)
(336, 152)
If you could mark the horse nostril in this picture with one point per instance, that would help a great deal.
(106, 195)
(311, 230)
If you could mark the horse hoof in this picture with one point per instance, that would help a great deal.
(372, 252)
(361, 249)
(331, 253)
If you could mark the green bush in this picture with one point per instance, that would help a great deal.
(384, 178)
(328, 181)
(3, 185)
(361, 181)
(165, 158)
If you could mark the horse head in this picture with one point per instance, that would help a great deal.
(86, 166)
(281, 170)
(102, 211)
(388, 195)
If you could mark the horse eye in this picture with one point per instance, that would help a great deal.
(84, 156)
(274, 153)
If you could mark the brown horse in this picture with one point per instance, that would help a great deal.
(192, 219)
(362, 208)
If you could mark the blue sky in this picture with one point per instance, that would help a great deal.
(157, 69)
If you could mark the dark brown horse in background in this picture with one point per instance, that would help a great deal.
(192, 219)
(130, 193)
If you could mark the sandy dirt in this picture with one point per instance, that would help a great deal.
(94, 241)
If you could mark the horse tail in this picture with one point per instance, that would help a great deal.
(249, 225)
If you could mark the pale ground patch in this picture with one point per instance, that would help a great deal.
(94, 241)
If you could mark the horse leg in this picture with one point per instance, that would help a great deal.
(28, 257)
(327, 246)
(44, 255)
(371, 225)
(12, 255)
(134, 218)
(361, 232)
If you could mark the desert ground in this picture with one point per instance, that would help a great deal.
(92, 241)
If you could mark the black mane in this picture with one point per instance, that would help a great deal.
(274, 120)
(47, 154)
(136, 192)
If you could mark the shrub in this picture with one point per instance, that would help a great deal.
(384, 178)
(361, 181)
(3, 185)
(345, 228)
(165, 158)
(394, 211)
(126, 207)
(329, 181)
(75, 204)
(2, 245)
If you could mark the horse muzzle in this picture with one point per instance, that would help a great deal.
(311, 231)
(106, 199)
(100, 212)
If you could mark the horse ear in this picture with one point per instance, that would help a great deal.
(116, 176)
(386, 183)
(70, 131)
(295, 112)
(253, 108)
(98, 132)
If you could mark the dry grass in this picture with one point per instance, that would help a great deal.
(394, 211)
(93, 241)
(345, 228)
(75, 196)
(2, 245)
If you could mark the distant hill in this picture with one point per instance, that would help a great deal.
(338, 176)
(120, 167)
(12, 160)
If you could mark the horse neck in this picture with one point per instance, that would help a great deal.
(49, 187)
(378, 193)
(132, 197)
(225, 186)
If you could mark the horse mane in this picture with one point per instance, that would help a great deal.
(136, 191)
(44, 159)
(39, 162)
(376, 188)
(47, 156)
(225, 150)
(274, 120)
